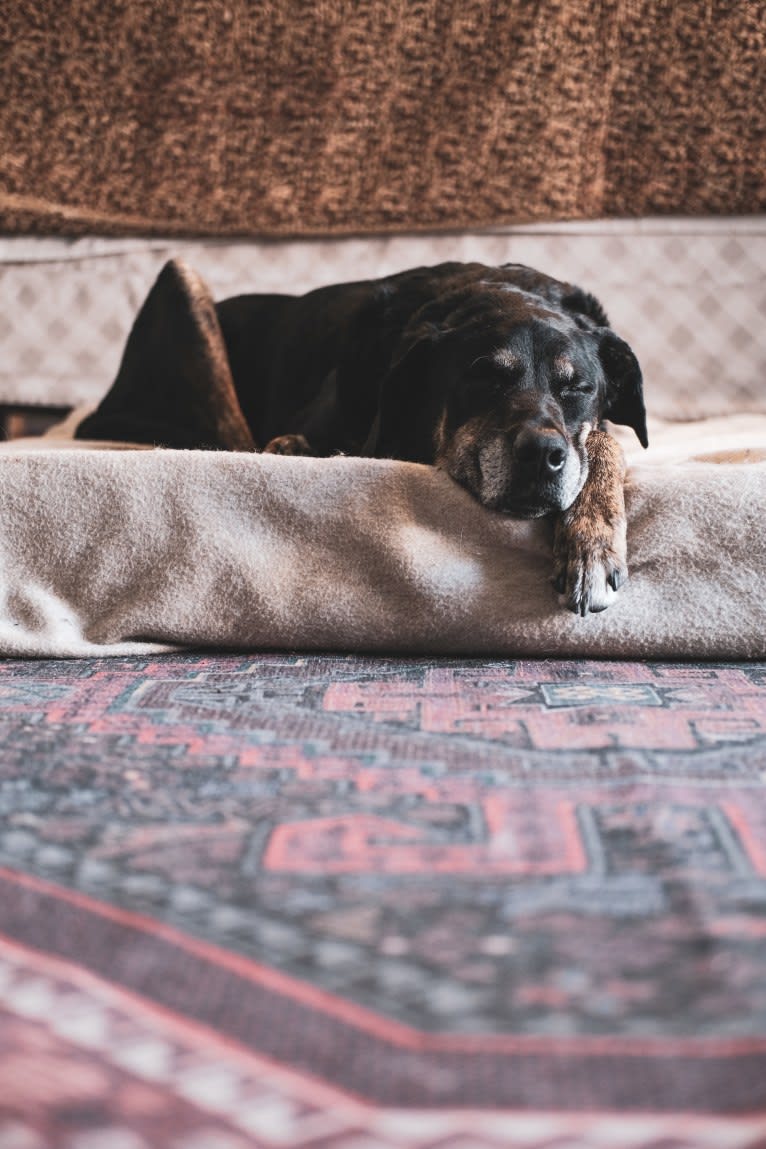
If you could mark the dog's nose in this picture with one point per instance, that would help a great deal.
(540, 452)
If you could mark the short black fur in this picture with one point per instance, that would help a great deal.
(495, 374)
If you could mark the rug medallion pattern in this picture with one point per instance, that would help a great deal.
(412, 887)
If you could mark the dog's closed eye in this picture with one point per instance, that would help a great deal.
(578, 385)
(489, 372)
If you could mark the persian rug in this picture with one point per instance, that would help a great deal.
(375, 903)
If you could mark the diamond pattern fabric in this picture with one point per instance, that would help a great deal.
(690, 297)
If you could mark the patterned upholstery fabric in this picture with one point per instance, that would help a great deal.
(374, 903)
(331, 117)
(689, 296)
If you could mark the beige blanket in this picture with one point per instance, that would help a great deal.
(125, 551)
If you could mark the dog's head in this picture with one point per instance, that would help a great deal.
(500, 380)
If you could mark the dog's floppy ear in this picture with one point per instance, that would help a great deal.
(407, 412)
(624, 393)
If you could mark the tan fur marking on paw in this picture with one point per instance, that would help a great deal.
(590, 551)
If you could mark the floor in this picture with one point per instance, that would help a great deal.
(371, 903)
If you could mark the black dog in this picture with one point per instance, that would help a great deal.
(500, 376)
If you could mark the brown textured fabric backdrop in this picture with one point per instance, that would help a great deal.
(229, 117)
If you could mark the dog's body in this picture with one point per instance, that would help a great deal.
(498, 375)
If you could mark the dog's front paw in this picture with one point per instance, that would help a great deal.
(589, 546)
(590, 562)
(288, 445)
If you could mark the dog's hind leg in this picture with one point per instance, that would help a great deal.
(174, 387)
(590, 546)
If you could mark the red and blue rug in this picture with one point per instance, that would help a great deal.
(370, 903)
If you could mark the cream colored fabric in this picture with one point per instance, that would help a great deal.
(115, 551)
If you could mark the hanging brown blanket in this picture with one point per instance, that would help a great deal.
(272, 119)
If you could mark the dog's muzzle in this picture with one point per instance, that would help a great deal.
(533, 474)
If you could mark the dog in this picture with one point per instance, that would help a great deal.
(499, 376)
